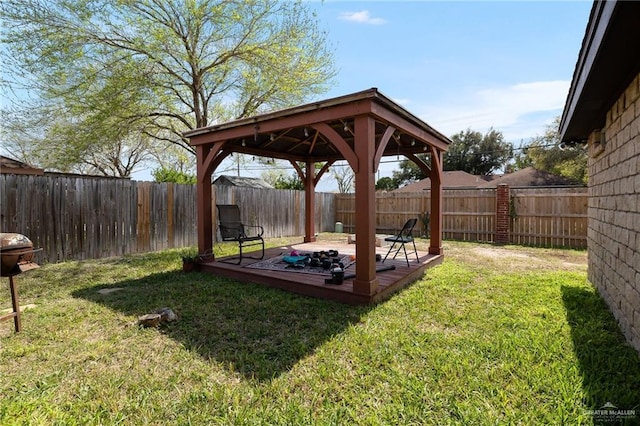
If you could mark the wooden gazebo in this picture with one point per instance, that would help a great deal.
(360, 128)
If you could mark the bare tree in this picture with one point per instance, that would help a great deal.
(344, 177)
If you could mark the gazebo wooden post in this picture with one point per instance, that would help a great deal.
(366, 281)
(203, 190)
(310, 204)
(435, 218)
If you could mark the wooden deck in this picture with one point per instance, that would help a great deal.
(313, 285)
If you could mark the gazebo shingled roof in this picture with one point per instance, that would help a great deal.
(360, 128)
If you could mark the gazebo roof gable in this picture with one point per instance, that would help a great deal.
(303, 133)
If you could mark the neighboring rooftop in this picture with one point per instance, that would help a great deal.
(450, 179)
(460, 180)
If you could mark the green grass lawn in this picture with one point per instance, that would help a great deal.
(494, 335)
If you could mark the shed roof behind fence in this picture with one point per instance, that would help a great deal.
(11, 166)
(249, 182)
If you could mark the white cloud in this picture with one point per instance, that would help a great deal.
(519, 111)
(361, 17)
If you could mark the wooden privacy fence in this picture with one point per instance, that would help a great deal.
(547, 217)
(468, 215)
(74, 218)
(82, 218)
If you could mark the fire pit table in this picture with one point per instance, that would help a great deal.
(16, 256)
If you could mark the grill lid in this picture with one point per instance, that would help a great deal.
(14, 241)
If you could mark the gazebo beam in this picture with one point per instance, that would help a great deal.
(310, 203)
(409, 128)
(203, 191)
(435, 218)
(340, 144)
(366, 281)
(384, 140)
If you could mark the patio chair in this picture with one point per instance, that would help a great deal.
(402, 238)
(232, 229)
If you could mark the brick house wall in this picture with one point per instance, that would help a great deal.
(614, 211)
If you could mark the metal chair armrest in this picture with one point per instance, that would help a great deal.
(261, 229)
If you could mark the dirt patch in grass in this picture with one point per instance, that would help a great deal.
(495, 252)
(517, 257)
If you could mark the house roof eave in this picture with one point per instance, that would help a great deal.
(606, 64)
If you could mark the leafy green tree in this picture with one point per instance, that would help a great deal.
(118, 70)
(386, 184)
(173, 158)
(408, 172)
(469, 151)
(546, 152)
(172, 175)
(277, 171)
(289, 182)
(273, 173)
(478, 154)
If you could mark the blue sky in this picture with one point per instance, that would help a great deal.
(458, 65)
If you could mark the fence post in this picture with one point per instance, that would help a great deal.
(502, 214)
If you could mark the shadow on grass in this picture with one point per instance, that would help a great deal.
(610, 368)
(253, 330)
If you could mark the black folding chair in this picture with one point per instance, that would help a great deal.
(402, 238)
(232, 229)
